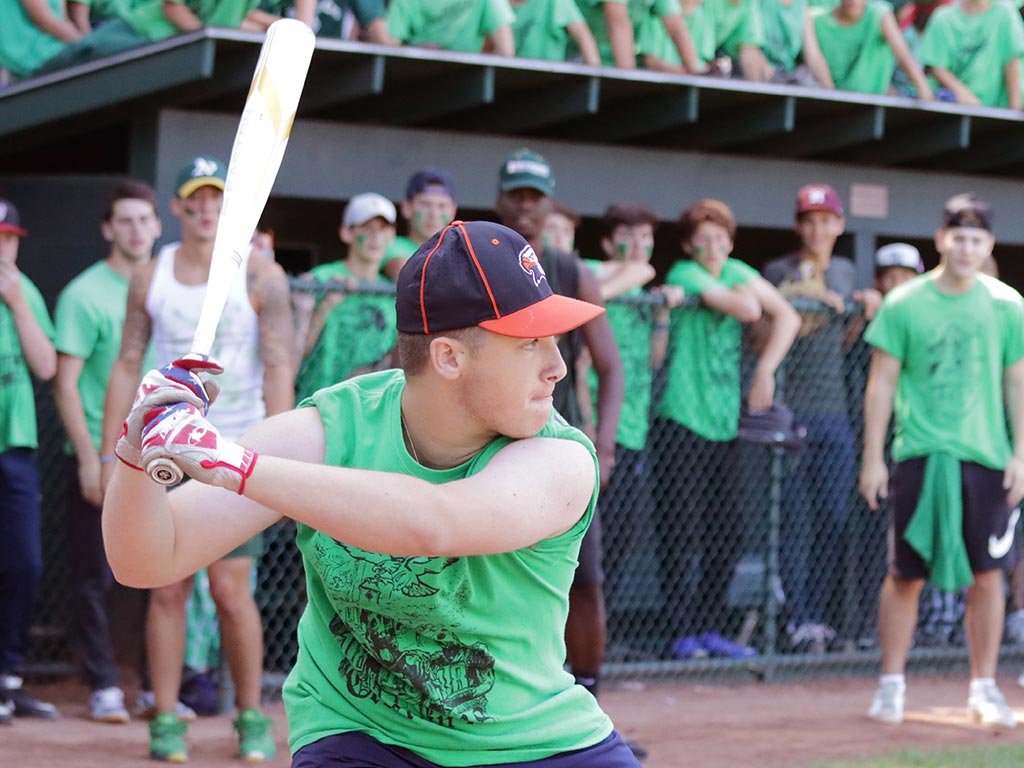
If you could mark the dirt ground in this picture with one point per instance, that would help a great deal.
(719, 726)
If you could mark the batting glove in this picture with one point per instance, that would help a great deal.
(178, 382)
(180, 433)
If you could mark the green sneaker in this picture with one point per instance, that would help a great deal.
(255, 741)
(167, 738)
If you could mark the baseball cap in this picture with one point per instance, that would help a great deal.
(818, 197)
(201, 171)
(899, 255)
(478, 273)
(368, 205)
(967, 210)
(10, 221)
(525, 168)
(432, 179)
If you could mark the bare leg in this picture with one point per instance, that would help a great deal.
(585, 629)
(240, 627)
(897, 617)
(165, 641)
(983, 622)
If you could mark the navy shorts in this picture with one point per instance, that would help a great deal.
(357, 750)
(590, 569)
(988, 522)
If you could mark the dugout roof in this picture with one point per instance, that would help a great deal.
(97, 107)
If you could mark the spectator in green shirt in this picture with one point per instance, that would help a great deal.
(696, 420)
(348, 334)
(739, 34)
(617, 24)
(790, 44)
(454, 25)
(973, 48)
(862, 43)
(542, 30)
(33, 32)
(429, 206)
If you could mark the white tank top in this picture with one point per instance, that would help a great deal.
(174, 309)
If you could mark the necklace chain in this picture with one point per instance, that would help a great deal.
(408, 437)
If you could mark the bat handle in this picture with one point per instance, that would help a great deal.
(164, 471)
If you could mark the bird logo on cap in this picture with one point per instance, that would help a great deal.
(816, 196)
(531, 264)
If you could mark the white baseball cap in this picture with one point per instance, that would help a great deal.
(899, 255)
(369, 205)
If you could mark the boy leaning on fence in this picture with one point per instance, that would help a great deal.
(948, 349)
(350, 333)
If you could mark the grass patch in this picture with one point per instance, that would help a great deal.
(1008, 756)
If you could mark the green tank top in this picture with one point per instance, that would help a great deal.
(458, 659)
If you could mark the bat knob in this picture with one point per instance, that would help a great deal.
(164, 471)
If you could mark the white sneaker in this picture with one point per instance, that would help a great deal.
(107, 706)
(145, 707)
(987, 706)
(887, 705)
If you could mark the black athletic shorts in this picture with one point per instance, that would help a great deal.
(988, 522)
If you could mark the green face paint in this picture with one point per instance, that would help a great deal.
(699, 250)
(361, 240)
(623, 249)
(648, 249)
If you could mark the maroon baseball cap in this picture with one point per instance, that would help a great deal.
(9, 219)
(818, 197)
(478, 273)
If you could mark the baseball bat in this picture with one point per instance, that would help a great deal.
(256, 156)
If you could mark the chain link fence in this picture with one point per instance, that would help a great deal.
(724, 558)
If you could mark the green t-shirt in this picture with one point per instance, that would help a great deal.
(703, 388)
(357, 333)
(975, 47)
(857, 54)
(540, 28)
(783, 32)
(954, 349)
(653, 39)
(17, 401)
(89, 318)
(401, 248)
(631, 325)
(454, 25)
(736, 23)
(148, 18)
(23, 45)
(458, 659)
(639, 10)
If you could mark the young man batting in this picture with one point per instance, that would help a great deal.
(440, 509)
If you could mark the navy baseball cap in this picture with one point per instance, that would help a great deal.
(430, 179)
(10, 221)
(478, 273)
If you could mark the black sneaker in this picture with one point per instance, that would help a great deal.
(23, 704)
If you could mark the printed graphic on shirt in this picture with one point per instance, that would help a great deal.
(399, 655)
(954, 365)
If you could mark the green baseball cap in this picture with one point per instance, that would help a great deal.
(201, 171)
(525, 168)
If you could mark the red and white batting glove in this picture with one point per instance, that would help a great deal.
(178, 382)
(180, 433)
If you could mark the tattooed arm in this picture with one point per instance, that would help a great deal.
(271, 298)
